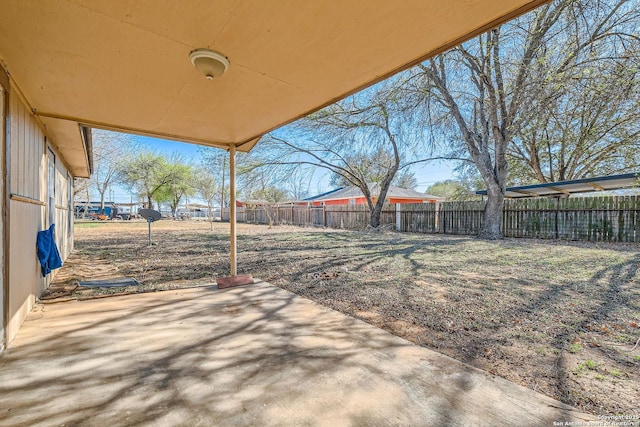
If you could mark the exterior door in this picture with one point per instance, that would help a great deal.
(51, 187)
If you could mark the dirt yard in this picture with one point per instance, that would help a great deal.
(561, 318)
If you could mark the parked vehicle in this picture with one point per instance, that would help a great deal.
(98, 216)
(92, 210)
(122, 213)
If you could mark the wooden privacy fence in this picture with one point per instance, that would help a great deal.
(612, 219)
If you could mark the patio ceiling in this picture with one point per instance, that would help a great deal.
(124, 64)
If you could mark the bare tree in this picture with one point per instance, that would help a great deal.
(340, 136)
(206, 188)
(296, 182)
(110, 151)
(373, 167)
(216, 161)
(584, 119)
(485, 92)
(81, 194)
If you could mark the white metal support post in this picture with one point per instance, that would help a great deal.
(235, 279)
(232, 209)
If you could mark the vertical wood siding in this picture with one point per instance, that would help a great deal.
(26, 282)
(28, 211)
(27, 152)
(2, 204)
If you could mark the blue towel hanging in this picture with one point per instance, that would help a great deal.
(48, 254)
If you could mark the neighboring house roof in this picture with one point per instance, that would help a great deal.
(354, 192)
(258, 202)
(566, 188)
(308, 199)
(94, 203)
(193, 206)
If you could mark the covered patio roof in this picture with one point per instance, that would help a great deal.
(124, 65)
(566, 188)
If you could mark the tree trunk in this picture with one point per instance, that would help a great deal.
(174, 207)
(374, 221)
(224, 167)
(492, 224)
(101, 202)
(210, 213)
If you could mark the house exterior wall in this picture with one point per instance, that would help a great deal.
(63, 209)
(31, 209)
(399, 201)
(363, 201)
(349, 201)
(4, 86)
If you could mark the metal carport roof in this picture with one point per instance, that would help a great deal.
(566, 188)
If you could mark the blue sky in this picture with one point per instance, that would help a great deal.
(426, 174)
(190, 151)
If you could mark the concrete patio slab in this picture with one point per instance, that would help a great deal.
(248, 356)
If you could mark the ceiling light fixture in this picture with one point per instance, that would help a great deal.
(211, 64)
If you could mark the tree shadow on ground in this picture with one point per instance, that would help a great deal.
(245, 356)
(295, 257)
(607, 299)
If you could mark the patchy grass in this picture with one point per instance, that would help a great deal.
(591, 364)
(93, 224)
(615, 373)
(526, 310)
(575, 347)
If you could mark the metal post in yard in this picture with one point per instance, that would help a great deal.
(149, 220)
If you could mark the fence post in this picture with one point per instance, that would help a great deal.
(436, 217)
(324, 216)
(398, 217)
(557, 226)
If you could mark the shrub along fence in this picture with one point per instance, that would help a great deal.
(612, 218)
